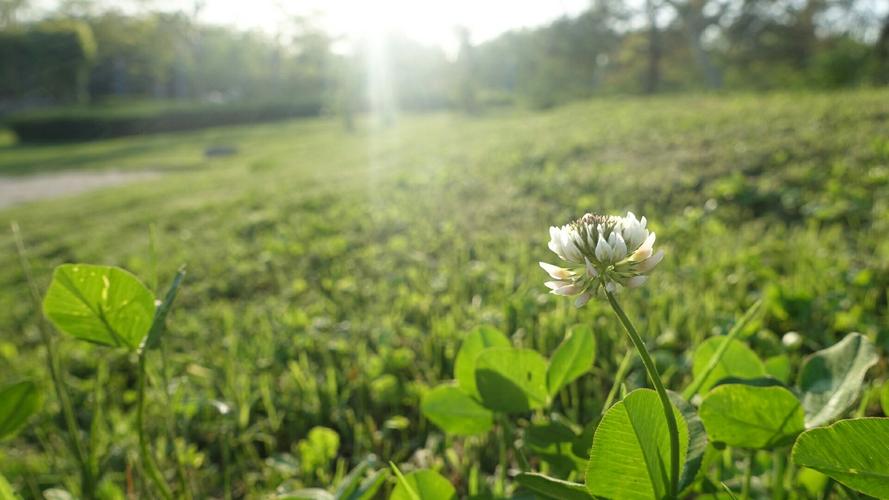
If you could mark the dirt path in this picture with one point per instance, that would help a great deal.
(16, 190)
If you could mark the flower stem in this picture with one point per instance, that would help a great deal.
(87, 474)
(185, 491)
(672, 426)
(748, 475)
(780, 466)
(500, 482)
(144, 450)
(510, 434)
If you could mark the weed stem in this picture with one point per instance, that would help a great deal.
(619, 377)
(696, 384)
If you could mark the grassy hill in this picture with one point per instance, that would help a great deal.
(332, 275)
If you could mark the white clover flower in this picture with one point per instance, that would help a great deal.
(601, 251)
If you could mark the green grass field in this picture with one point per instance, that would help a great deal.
(332, 275)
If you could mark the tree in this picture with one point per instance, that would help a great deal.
(882, 52)
(653, 73)
(696, 16)
(9, 12)
(465, 69)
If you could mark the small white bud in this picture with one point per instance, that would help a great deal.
(792, 340)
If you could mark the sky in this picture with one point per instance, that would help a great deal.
(429, 22)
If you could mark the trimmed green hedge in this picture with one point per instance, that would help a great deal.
(82, 124)
(50, 61)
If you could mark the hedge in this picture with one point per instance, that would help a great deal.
(82, 124)
(49, 61)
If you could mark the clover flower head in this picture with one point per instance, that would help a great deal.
(601, 251)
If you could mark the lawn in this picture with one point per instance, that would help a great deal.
(333, 274)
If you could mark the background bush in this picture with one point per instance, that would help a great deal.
(69, 124)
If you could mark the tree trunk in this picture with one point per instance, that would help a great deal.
(653, 76)
(695, 22)
(882, 49)
(694, 31)
(806, 37)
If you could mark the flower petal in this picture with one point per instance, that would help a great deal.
(619, 247)
(554, 285)
(649, 263)
(590, 270)
(569, 246)
(568, 290)
(636, 281)
(555, 241)
(603, 250)
(644, 251)
(582, 299)
(559, 273)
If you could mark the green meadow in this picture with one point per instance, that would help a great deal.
(332, 276)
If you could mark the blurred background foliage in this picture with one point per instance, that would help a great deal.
(332, 278)
(87, 52)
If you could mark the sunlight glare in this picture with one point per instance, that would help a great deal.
(429, 22)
